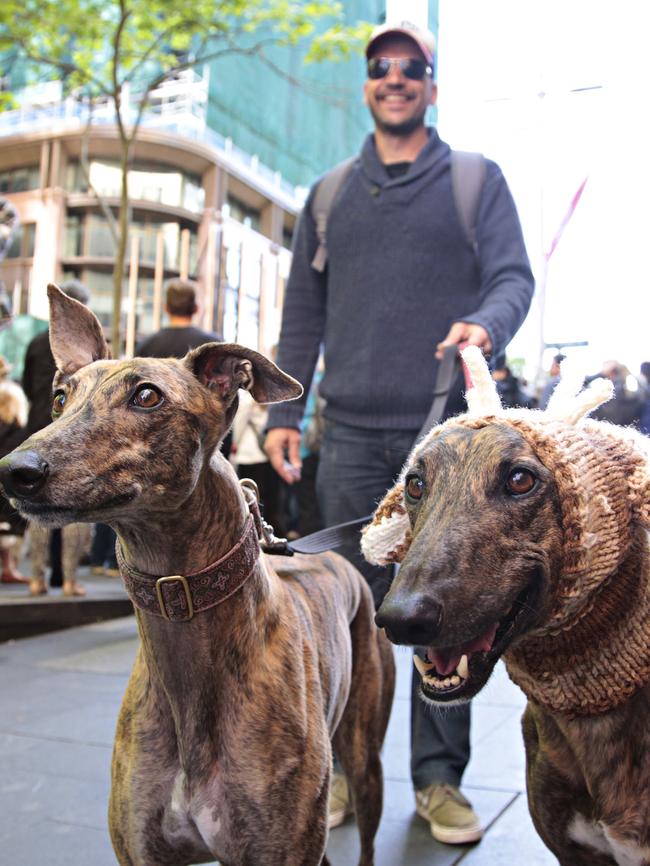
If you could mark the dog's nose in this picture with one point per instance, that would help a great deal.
(23, 473)
(413, 620)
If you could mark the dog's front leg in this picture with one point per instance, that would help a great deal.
(558, 799)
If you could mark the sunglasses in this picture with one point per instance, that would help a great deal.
(379, 67)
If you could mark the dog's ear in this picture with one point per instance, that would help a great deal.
(226, 367)
(388, 537)
(76, 337)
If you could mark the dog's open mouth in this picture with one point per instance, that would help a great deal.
(459, 672)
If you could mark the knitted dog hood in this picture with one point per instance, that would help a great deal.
(602, 473)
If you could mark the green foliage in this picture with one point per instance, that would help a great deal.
(96, 46)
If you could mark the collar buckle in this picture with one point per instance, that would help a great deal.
(161, 601)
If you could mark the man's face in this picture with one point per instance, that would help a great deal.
(397, 103)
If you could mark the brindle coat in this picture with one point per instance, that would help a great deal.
(222, 747)
(479, 555)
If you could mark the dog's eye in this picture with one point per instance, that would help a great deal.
(520, 481)
(414, 488)
(58, 402)
(146, 397)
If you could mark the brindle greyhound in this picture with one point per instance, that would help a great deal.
(247, 664)
(524, 534)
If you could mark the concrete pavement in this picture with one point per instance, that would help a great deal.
(60, 695)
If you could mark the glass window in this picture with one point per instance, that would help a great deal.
(98, 240)
(20, 179)
(72, 240)
(243, 213)
(22, 244)
(153, 182)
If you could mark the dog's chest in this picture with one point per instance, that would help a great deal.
(198, 818)
(597, 836)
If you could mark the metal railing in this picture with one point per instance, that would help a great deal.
(72, 115)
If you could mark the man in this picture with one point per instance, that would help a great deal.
(402, 282)
(181, 335)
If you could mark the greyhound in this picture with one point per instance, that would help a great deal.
(248, 665)
(524, 535)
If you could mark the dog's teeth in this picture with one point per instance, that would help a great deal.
(422, 666)
(456, 680)
(462, 669)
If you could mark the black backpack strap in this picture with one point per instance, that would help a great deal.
(468, 172)
(321, 205)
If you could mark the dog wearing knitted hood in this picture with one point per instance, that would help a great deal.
(523, 535)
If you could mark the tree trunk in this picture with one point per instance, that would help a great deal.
(120, 257)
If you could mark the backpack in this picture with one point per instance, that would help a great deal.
(467, 177)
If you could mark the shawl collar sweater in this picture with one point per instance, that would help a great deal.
(400, 271)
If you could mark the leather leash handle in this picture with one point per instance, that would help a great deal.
(447, 370)
(335, 536)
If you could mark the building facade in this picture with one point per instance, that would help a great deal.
(200, 208)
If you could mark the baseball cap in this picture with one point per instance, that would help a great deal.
(424, 39)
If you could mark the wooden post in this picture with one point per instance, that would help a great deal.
(158, 275)
(241, 295)
(184, 265)
(210, 277)
(16, 304)
(221, 296)
(133, 291)
(261, 316)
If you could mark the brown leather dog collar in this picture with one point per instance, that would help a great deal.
(178, 597)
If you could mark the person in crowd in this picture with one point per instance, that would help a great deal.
(644, 418)
(402, 282)
(309, 516)
(250, 460)
(13, 431)
(510, 388)
(181, 334)
(553, 379)
(48, 545)
(626, 406)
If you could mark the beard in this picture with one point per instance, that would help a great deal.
(406, 127)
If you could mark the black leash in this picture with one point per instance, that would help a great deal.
(335, 536)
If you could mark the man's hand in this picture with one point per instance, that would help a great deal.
(282, 446)
(466, 332)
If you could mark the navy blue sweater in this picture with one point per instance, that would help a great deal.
(400, 271)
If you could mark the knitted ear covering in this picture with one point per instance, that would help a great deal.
(388, 537)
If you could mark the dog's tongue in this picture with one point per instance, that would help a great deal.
(446, 659)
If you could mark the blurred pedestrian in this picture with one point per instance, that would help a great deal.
(250, 460)
(554, 374)
(625, 407)
(13, 431)
(403, 279)
(180, 335)
(644, 417)
(313, 428)
(510, 388)
(46, 545)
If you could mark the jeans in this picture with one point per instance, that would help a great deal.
(356, 468)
